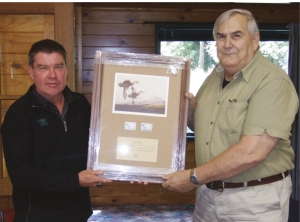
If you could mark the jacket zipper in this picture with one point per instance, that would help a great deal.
(65, 125)
(64, 122)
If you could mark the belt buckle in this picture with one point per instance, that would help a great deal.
(219, 181)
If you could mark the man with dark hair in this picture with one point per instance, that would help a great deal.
(242, 117)
(45, 141)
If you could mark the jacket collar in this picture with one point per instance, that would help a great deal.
(68, 94)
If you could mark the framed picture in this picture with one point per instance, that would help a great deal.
(139, 115)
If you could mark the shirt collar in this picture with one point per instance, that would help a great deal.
(46, 103)
(246, 72)
(66, 92)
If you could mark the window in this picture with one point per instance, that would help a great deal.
(195, 41)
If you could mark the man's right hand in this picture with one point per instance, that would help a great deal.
(91, 178)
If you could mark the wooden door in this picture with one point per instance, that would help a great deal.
(17, 34)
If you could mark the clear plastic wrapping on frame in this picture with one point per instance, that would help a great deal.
(139, 115)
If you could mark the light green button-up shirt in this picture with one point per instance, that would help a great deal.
(260, 98)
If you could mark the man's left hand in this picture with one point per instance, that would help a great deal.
(178, 181)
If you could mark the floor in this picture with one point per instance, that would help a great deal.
(142, 213)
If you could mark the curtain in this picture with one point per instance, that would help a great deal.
(294, 73)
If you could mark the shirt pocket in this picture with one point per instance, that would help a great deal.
(235, 117)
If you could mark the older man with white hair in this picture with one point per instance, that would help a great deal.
(242, 117)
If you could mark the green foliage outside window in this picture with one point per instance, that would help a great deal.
(275, 51)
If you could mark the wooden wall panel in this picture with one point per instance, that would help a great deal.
(89, 52)
(25, 23)
(120, 193)
(64, 34)
(123, 40)
(26, 8)
(185, 12)
(16, 61)
(15, 86)
(117, 29)
(192, 6)
(149, 15)
(158, 199)
(79, 52)
(18, 42)
(48, 27)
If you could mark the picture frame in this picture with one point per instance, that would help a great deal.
(139, 115)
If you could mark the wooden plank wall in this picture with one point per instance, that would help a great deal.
(120, 27)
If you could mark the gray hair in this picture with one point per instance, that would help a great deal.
(252, 25)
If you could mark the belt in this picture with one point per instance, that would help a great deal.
(221, 185)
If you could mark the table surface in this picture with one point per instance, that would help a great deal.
(131, 212)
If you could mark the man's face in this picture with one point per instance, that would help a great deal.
(49, 74)
(235, 46)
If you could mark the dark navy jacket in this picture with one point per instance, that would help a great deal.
(44, 152)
